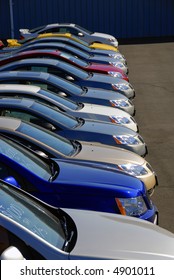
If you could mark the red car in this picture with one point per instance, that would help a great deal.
(61, 55)
(1, 44)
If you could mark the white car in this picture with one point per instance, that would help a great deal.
(69, 234)
(74, 29)
(80, 110)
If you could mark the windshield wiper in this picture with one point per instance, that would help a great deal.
(68, 236)
(77, 147)
(54, 172)
(85, 90)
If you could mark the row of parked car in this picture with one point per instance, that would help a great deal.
(73, 175)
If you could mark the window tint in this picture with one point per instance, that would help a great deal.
(26, 159)
(31, 216)
(54, 141)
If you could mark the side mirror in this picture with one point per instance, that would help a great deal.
(11, 180)
(80, 34)
(69, 78)
(11, 253)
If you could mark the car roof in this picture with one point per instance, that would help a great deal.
(25, 74)
(9, 123)
(15, 101)
(46, 61)
(21, 88)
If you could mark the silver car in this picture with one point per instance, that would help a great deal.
(69, 234)
(74, 29)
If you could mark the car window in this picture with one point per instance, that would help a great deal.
(63, 84)
(83, 29)
(31, 215)
(27, 117)
(25, 158)
(64, 101)
(60, 144)
(68, 29)
(74, 59)
(49, 30)
(45, 110)
(37, 29)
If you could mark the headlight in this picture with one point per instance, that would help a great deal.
(115, 74)
(119, 103)
(116, 56)
(117, 64)
(134, 206)
(112, 55)
(125, 140)
(133, 169)
(119, 120)
(120, 86)
(112, 39)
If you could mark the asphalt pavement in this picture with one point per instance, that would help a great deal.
(151, 73)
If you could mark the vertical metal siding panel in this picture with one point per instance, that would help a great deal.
(170, 18)
(5, 30)
(121, 18)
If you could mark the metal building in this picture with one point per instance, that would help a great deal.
(121, 18)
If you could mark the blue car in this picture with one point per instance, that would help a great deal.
(73, 185)
(69, 90)
(71, 127)
(116, 60)
(72, 73)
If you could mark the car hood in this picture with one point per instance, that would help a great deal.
(104, 67)
(109, 154)
(103, 110)
(104, 35)
(105, 128)
(104, 94)
(111, 236)
(97, 58)
(107, 79)
(97, 178)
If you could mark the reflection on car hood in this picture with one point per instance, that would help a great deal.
(104, 94)
(96, 178)
(105, 153)
(104, 35)
(107, 79)
(105, 128)
(111, 236)
(103, 110)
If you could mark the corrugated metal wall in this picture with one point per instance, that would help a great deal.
(121, 18)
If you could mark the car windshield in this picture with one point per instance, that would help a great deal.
(61, 118)
(84, 29)
(65, 85)
(31, 215)
(25, 158)
(74, 59)
(75, 71)
(63, 101)
(37, 29)
(60, 144)
(72, 47)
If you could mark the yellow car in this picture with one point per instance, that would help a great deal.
(70, 36)
(16, 43)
